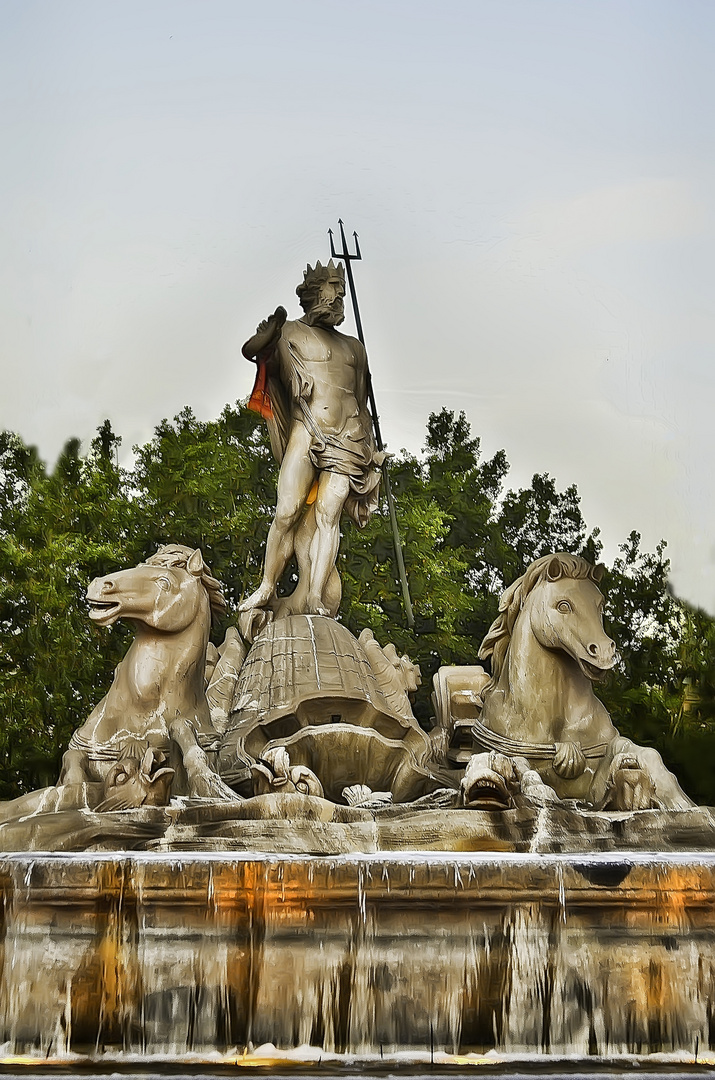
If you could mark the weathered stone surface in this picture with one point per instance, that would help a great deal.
(157, 700)
(167, 955)
(457, 702)
(308, 685)
(547, 647)
(299, 824)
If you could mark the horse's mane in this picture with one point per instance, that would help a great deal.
(548, 567)
(178, 555)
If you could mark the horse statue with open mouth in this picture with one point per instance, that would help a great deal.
(547, 648)
(157, 700)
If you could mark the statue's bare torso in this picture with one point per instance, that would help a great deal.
(332, 370)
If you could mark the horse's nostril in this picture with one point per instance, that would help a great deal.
(593, 649)
(107, 586)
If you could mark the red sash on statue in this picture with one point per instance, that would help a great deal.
(260, 399)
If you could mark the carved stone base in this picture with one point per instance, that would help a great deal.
(366, 955)
(306, 825)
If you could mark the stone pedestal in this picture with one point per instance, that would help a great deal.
(169, 955)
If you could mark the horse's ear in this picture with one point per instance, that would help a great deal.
(554, 570)
(195, 563)
(598, 572)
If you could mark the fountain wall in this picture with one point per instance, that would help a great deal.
(169, 955)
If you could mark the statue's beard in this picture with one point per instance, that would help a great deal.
(325, 314)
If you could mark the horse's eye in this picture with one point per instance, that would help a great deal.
(564, 607)
(164, 583)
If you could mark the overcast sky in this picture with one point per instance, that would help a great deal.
(533, 183)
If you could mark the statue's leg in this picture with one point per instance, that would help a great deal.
(203, 781)
(333, 489)
(599, 784)
(33, 802)
(667, 789)
(294, 482)
(75, 767)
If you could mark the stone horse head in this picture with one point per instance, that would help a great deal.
(168, 592)
(559, 603)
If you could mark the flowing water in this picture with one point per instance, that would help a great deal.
(513, 956)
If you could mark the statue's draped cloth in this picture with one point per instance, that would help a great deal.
(351, 452)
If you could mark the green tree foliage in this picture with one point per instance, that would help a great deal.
(446, 503)
(539, 520)
(57, 531)
(465, 540)
(663, 694)
(212, 485)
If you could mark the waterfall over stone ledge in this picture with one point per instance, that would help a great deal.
(169, 955)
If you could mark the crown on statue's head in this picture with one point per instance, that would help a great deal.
(323, 273)
(313, 276)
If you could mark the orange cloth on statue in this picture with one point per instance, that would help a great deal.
(260, 399)
(260, 402)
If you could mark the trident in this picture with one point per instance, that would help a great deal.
(349, 258)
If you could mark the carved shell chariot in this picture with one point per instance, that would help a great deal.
(307, 684)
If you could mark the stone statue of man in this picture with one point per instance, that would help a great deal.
(311, 387)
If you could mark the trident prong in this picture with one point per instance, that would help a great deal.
(348, 258)
(345, 254)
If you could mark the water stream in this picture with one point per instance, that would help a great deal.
(600, 956)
